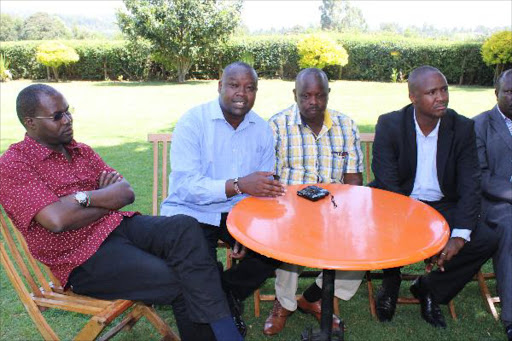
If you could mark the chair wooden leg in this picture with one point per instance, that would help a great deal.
(162, 327)
(126, 324)
(229, 260)
(91, 330)
(451, 308)
(32, 309)
(371, 297)
(486, 296)
(257, 301)
(336, 306)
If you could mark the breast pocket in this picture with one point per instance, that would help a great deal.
(338, 160)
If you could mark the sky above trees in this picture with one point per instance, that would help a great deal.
(258, 15)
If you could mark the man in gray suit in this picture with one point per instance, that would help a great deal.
(494, 143)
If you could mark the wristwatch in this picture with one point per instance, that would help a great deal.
(235, 186)
(82, 199)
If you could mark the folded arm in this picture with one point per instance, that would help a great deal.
(66, 214)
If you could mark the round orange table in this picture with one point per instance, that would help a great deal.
(358, 228)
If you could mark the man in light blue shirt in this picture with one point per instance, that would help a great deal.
(222, 151)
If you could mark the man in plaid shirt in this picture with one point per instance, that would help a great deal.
(313, 145)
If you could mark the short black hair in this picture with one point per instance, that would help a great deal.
(237, 65)
(28, 99)
(318, 73)
(417, 73)
(501, 78)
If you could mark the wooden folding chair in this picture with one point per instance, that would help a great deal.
(43, 291)
(366, 144)
(489, 300)
(161, 143)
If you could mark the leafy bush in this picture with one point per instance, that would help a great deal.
(5, 74)
(54, 54)
(320, 51)
(497, 50)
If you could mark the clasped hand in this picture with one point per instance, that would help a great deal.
(261, 184)
(108, 178)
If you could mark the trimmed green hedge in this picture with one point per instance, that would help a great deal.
(371, 58)
(99, 60)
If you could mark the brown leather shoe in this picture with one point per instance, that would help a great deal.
(315, 309)
(276, 320)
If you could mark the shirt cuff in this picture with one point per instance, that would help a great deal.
(462, 233)
(219, 189)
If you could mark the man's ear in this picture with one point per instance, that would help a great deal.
(295, 95)
(496, 93)
(412, 98)
(220, 86)
(28, 122)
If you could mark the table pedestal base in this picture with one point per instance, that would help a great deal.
(316, 335)
(325, 333)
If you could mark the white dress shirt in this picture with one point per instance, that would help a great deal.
(426, 183)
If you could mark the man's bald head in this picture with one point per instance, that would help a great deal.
(311, 72)
(237, 67)
(418, 74)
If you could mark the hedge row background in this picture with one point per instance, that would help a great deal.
(370, 58)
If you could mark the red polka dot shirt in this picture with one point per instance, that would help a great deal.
(32, 177)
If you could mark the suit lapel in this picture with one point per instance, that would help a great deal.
(410, 135)
(444, 145)
(498, 124)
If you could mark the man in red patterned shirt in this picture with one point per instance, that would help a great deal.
(65, 201)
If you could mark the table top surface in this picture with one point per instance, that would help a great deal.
(369, 229)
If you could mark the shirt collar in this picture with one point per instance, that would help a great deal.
(41, 152)
(217, 114)
(297, 119)
(433, 133)
(503, 115)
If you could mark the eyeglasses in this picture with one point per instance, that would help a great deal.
(59, 115)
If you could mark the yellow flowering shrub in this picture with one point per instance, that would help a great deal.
(54, 54)
(320, 51)
(498, 48)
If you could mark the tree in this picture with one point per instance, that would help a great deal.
(54, 54)
(42, 26)
(10, 27)
(391, 27)
(180, 30)
(497, 50)
(340, 15)
(320, 51)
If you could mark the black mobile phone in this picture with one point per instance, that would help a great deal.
(313, 193)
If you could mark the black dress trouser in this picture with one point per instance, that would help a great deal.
(444, 286)
(247, 275)
(158, 260)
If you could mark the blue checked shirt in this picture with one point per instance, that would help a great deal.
(304, 158)
(205, 152)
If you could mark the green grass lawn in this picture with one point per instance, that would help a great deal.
(115, 118)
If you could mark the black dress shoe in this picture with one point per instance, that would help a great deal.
(236, 307)
(508, 331)
(386, 305)
(430, 310)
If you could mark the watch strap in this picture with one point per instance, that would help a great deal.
(236, 187)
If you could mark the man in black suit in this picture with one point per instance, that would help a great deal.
(428, 152)
(494, 146)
